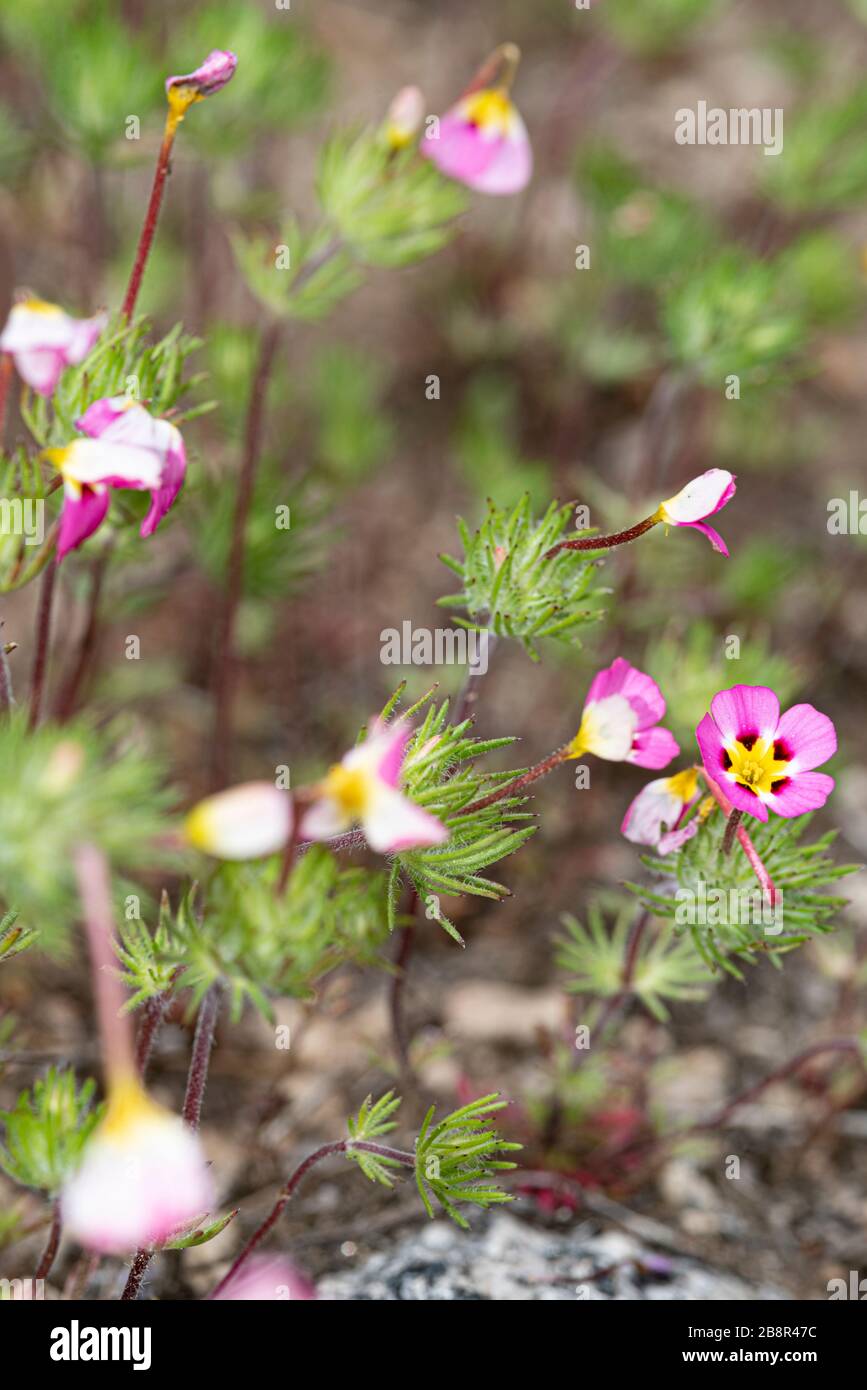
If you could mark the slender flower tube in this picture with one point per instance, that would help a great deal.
(365, 788)
(655, 815)
(127, 448)
(620, 720)
(142, 1176)
(482, 140)
(765, 761)
(43, 341)
(245, 822)
(700, 498)
(209, 77)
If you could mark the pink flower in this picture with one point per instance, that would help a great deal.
(44, 341)
(266, 1278)
(127, 448)
(142, 1176)
(620, 719)
(365, 788)
(210, 76)
(482, 141)
(700, 498)
(404, 117)
(655, 815)
(246, 822)
(764, 761)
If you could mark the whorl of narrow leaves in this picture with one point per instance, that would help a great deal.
(509, 588)
(439, 773)
(14, 937)
(455, 1159)
(666, 966)
(372, 1122)
(725, 894)
(44, 1135)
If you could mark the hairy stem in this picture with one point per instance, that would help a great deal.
(49, 1255)
(151, 215)
(43, 638)
(765, 881)
(203, 1041)
(604, 542)
(337, 1146)
(519, 783)
(734, 820)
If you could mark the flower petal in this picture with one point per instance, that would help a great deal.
(809, 737)
(653, 748)
(655, 806)
(701, 497)
(642, 692)
(84, 510)
(245, 822)
(210, 76)
(746, 711)
(105, 461)
(805, 792)
(392, 822)
(712, 534)
(41, 369)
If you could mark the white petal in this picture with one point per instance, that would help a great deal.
(93, 460)
(608, 727)
(245, 822)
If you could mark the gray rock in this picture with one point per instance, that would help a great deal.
(505, 1259)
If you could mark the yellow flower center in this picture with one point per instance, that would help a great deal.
(756, 763)
(490, 109)
(40, 306)
(349, 787)
(128, 1105)
(683, 784)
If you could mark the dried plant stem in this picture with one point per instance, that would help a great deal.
(338, 1146)
(43, 638)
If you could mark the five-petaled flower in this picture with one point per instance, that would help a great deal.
(127, 448)
(482, 140)
(246, 822)
(620, 721)
(43, 341)
(763, 760)
(654, 817)
(142, 1177)
(365, 787)
(700, 498)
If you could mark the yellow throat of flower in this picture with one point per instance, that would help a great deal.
(350, 788)
(40, 306)
(684, 784)
(490, 110)
(128, 1105)
(754, 763)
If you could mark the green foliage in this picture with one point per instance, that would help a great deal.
(45, 1133)
(665, 966)
(297, 274)
(64, 786)
(353, 433)
(122, 363)
(391, 209)
(735, 316)
(438, 774)
(455, 1158)
(22, 489)
(654, 26)
(200, 1235)
(147, 961)
(257, 942)
(690, 665)
(722, 895)
(510, 589)
(825, 162)
(14, 938)
(371, 1123)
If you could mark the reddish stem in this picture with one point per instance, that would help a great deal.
(43, 637)
(337, 1146)
(151, 216)
(604, 542)
(69, 695)
(5, 376)
(749, 849)
(203, 1041)
(724, 1114)
(45, 1264)
(518, 783)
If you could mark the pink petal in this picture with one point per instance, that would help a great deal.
(174, 471)
(216, 70)
(806, 791)
(653, 807)
(323, 819)
(653, 748)
(41, 368)
(83, 335)
(710, 742)
(390, 761)
(809, 737)
(643, 694)
(395, 823)
(81, 516)
(461, 150)
(511, 168)
(746, 711)
(713, 535)
(674, 839)
(700, 498)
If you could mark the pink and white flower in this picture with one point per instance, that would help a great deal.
(481, 140)
(210, 76)
(620, 720)
(655, 815)
(365, 788)
(700, 498)
(142, 1177)
(264, 1279)
(127, 448)
(405, 115)
(44, 340)
(246, 822)
(765, 761)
